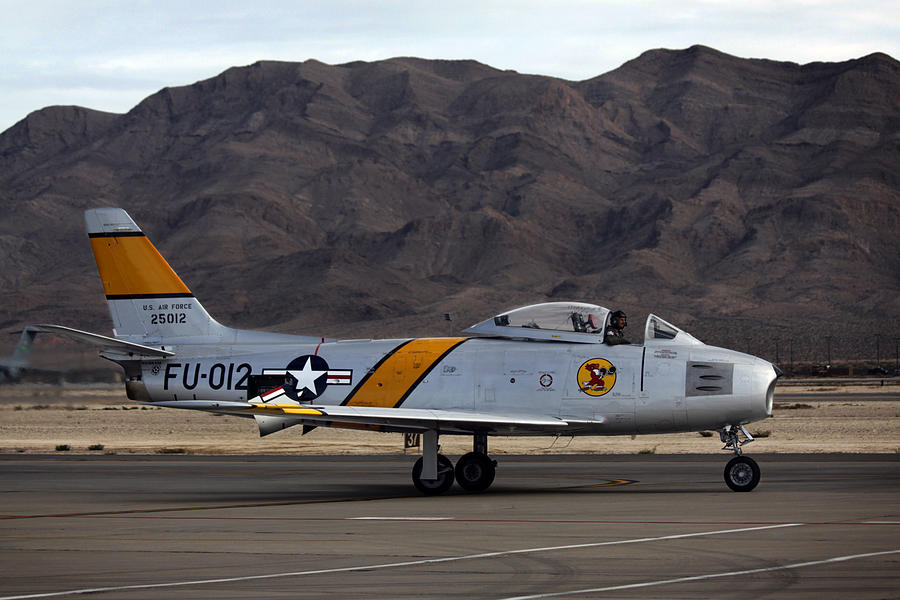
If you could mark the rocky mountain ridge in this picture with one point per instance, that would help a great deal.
(742, 199)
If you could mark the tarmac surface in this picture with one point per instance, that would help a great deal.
(137, 527)
(887, 396)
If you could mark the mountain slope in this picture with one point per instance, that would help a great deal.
(741, 197)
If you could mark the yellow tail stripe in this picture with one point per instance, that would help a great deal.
(132, 266)
(398, 375)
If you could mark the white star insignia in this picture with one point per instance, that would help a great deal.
(306, 377)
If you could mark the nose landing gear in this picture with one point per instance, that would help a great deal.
(741, 473)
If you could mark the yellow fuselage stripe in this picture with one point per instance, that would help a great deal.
(397, 376)
(132, 266)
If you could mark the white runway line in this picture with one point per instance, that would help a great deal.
(631, 586)
(399, 518)
(881, 522)
(412, 563)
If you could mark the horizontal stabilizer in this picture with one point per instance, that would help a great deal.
(107, 343)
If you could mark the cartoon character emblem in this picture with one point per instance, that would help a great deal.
(596, 377)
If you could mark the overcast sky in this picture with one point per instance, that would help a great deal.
(109, 55)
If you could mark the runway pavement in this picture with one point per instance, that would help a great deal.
(354, 527)
(887, 396)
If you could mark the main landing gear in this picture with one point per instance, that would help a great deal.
(434, 473)
(741, 472)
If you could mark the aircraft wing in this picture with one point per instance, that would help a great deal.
(107, 343)
(422, 419)
(414, 420)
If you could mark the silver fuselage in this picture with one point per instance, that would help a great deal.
(656, 389)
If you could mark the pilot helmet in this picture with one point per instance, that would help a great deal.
(614, 317)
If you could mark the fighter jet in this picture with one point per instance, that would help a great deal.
(543, 370)
(18, 367)
(12, 368)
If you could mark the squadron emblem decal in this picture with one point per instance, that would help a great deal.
(306, 377)
(596, 377)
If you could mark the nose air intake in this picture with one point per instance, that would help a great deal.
(770, 392)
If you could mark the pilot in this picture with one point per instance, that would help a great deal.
(615, 332)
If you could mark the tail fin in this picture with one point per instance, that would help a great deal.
(23, 347)
(147, 300)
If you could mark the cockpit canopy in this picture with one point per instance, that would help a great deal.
(573, 322)
(660, 333)
(563, 321)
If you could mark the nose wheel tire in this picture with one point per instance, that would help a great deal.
(475, 472)
(433, 487)
(742, 474)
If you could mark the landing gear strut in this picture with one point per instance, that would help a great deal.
(434, 473)
(438, 485)
(741, 472)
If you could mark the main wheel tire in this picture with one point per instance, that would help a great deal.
(433, 487)
(475, 472)
(742, 474)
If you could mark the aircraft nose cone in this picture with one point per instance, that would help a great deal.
(769, 384)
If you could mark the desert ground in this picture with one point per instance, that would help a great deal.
(818, 418)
